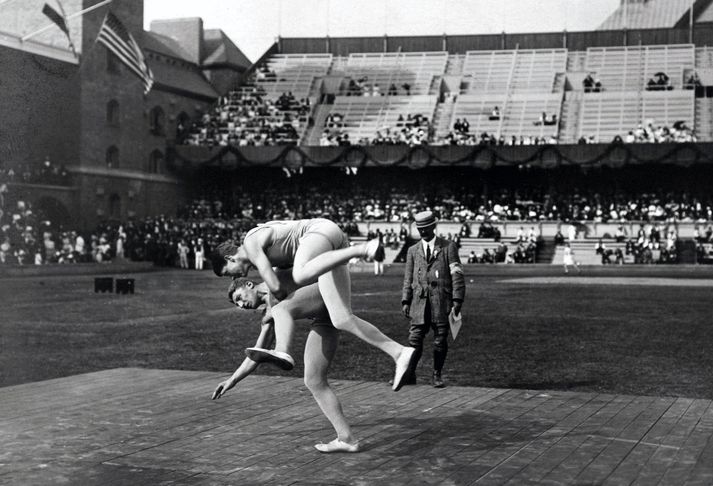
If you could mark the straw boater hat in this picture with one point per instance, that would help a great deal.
(424, 219)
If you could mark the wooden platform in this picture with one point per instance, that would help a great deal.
(142, 426)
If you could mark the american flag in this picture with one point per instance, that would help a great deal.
(118, 40)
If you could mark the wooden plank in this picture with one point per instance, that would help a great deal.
(136, 426)
(665, 456)
(566, 436)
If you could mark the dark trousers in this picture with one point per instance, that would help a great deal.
(417, 333)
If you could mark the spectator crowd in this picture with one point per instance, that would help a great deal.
(248, 117)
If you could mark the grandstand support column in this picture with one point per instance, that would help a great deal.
(386, 43)
(564, 39)
(278, 41)
(327, 44)
(445, 42)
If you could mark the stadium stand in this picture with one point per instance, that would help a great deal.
(520, 115)
(610, 114)
(630, 68)
(514, 97)
(248, 117)
(364, 116)
(408, 73)
(292, 73)
(514, 71)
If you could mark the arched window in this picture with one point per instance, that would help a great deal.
(157, 121)
(155, 162)
(112, 113)
(112, 157)
(114, 206)
(182, 126)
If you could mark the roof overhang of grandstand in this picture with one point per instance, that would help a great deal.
(701, 35)
(615, 154)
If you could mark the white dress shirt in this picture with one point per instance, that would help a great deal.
(428, 245)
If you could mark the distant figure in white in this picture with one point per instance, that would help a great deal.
(569, 259)
(572, 232)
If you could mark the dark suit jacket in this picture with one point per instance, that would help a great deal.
(437, 282)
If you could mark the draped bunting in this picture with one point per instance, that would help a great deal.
(616, 154)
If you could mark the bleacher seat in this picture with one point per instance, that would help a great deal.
(608, 114)
(383, 69)
(363, 116)
(518, 114)
(514, 71)
(630, 68)
(294, 73)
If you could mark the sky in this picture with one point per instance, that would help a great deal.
(254, 24)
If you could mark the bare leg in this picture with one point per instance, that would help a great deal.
(319, 352)
(335, 288)
(316, 257)
(284, 329)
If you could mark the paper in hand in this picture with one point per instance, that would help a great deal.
(456, 321)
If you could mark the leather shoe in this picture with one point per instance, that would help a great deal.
(437, 380)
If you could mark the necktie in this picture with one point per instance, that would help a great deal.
(428, 253)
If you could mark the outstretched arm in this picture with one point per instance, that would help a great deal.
(247, 366)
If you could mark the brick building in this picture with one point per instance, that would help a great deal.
(89, 112)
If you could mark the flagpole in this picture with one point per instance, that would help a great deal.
(74, 15)
(690, 23)
(69, 37)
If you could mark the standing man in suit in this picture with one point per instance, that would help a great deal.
(433, 284)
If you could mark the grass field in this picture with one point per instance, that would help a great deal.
(636, 330)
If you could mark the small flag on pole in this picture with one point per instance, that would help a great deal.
(56, 17)
(119, 41)
(60, 20)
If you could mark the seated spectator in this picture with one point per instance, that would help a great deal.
(559, 238)
(495, 114)
(546, 119)
(465, 126)
(588, 83)
(693, 81)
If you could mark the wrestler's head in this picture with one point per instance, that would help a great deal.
(244, 294)
(229, 260)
